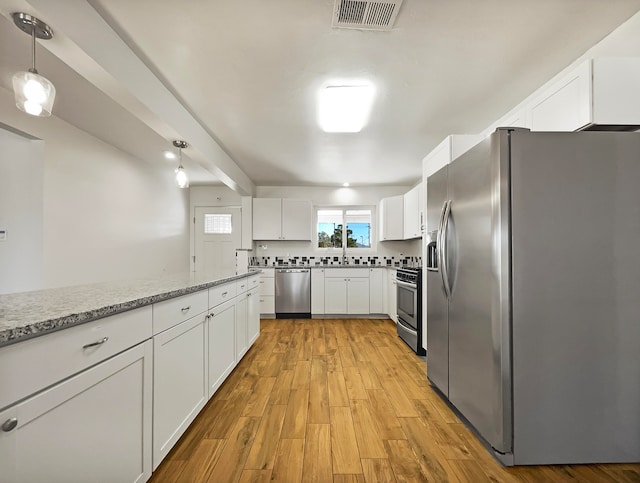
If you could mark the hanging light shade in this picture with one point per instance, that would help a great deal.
(34, 94)
(182, 180)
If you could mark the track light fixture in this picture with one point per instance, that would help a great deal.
(34, 94)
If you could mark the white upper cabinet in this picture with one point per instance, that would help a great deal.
(392, 218)
(296, 219)
(564, 106)
(281, 219)
(600, 92)
(413, 213)
(449, 149)
(267, 219)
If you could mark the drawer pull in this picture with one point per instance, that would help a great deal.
(9, 425)
(184, 310)
(93, 344)
(224, 294)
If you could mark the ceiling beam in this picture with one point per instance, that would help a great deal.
(89, 45)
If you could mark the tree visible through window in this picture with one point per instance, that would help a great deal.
(331, 223)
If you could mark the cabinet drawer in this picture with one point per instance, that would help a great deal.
(254, 281)
(267, 286)
(29, 366)
(221, 293)
(267, 304)
(268, 272)
(346, 273)
(242, 286)
(171, 312)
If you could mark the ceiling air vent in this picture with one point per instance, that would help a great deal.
(367, 15)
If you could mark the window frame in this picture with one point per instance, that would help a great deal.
(349, 250)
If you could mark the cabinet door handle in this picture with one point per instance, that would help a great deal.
(224, 294)
(93, 344)
(184, 310)
(9, 425)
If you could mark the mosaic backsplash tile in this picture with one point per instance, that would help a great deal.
(335, 260)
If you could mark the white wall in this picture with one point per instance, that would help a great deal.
(107, 215)
(328, 196)
(21, 208)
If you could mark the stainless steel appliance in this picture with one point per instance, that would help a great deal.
(293, 293)
(409, 290)
(533, 306)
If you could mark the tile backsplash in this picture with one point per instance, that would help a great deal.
(335, 260)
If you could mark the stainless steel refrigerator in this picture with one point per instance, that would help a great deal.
(533, 294)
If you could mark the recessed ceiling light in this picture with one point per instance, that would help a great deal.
(169, 155)
(345, 108)
(346, 185)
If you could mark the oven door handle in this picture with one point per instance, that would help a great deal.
(407, 327)
(407, 285)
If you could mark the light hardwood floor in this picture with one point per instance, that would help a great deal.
(343, 401)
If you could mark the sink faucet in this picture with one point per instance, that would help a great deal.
(344, 255)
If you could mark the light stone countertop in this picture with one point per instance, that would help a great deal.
(30, 314)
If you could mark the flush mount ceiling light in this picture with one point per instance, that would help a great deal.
(34, 93)
(345, 108)
(181, 176)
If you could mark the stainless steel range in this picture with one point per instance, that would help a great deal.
(409, 283)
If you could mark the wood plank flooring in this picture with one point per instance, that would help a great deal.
(344, 401)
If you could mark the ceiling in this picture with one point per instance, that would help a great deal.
(247, 73)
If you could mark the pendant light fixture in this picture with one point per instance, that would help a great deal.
(34, 93)
(181, 176)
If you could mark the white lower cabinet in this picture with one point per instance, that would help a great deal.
(377, 280)
(392, 294)
(222, 345)
(346, 295)
(335, 295)
(94, 426)
(242, 312)
(317, 291)
(179, 382)
(253, 315)
(358, 296)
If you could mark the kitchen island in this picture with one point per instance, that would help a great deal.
(115, 372)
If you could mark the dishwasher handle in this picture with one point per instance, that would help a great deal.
(292, 270)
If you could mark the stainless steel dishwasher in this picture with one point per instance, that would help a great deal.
(293, 293)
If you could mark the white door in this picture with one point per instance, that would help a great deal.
(335, 295)
(253, 316)
(222, 347)
(242, 312)
(94, 426)
(179, 382)
(358, 296)
(217, 236)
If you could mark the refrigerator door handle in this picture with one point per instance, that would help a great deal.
(439, 244)
(444, 268)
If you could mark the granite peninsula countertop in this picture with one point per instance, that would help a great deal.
(30, 314)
